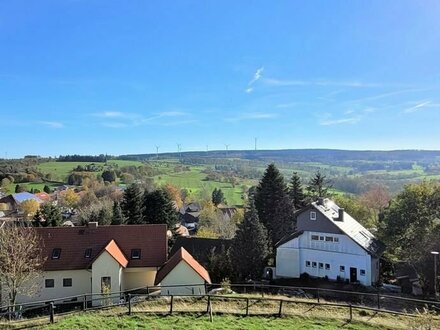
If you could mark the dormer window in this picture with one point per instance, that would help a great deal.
(56, 253)
(88, 253)
(135, 253)
(312, 215)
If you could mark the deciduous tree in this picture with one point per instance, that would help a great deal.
(29, 207)
(21, 261)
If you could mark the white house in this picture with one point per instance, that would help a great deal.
(329, 243)
(182, 275)
(93, 261)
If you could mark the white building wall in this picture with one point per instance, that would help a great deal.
(183, 274)
(138, 277)
(106, 266)
(81, 284)
(345, 252)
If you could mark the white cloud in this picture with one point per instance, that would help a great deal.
(257, 76)
(417, 107)
(52, 124)
(320, 82)
(114, 125)
(252, 116)
(172, 114)
(328, 120)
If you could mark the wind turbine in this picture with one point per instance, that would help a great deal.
(179, 149)
(227, 147)
(157, 152)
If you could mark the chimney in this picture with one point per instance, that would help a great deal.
(92, 224)
(320, 200)
(341, 214)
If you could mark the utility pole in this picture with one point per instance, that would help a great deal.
(435, 253)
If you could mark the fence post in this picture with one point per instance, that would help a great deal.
(208, 304)
(378, 300)
(51, 312)
(317, 295)
(171, 305)
(129, 304)
(351, 312)
(85, 302)
(262, 290)
(247, 306)
(281, 308)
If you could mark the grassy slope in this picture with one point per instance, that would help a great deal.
(200, 322)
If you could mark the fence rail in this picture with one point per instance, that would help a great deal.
(313, 296)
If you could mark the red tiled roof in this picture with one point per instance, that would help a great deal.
(73, 242)
(113, 249)
(181, 255)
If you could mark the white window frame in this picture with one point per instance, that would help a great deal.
(362, 272)
(313, 215)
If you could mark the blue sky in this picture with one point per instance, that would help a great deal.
(121, 77)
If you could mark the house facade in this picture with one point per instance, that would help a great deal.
(329, 243)
(182, 275)
(95, 261)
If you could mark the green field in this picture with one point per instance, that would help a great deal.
(194, 182)
(192, 321)
(10, 189)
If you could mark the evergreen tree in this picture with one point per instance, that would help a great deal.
(250, 248)
(217, 196)
(47, 189)
(272, 202)
(158, 208)
(296, 192)
(109, 175)
(132, 205)
(118, 217)
(318, 186)
(105, 216)
(48, 215)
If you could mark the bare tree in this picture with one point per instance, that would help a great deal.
(21, 261)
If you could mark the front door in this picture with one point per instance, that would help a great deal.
(353, 274)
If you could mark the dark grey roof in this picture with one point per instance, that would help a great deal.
(289, 237)
(358, 233)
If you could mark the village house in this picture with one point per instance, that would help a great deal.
(96, 260)
(182, 275)
(12, 202)
(329, 243)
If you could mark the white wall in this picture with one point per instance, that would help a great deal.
(183, 274)
(105, 265)
(138, 277)
(343, 253)
(81, 284)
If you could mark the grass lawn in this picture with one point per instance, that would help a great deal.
(196, 321)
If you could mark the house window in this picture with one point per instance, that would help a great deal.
(342, 268)
(56, 253)
(315, 237)
(307, 263)
(321, 265)
(327, 266)
(314, 264)
(362, 272)
(67, 282)
(106, 284)
(336, 239)
(329, 239)
(312, 215)
(49, 283)
(136, 254)
(88, 253)
(321, 238)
